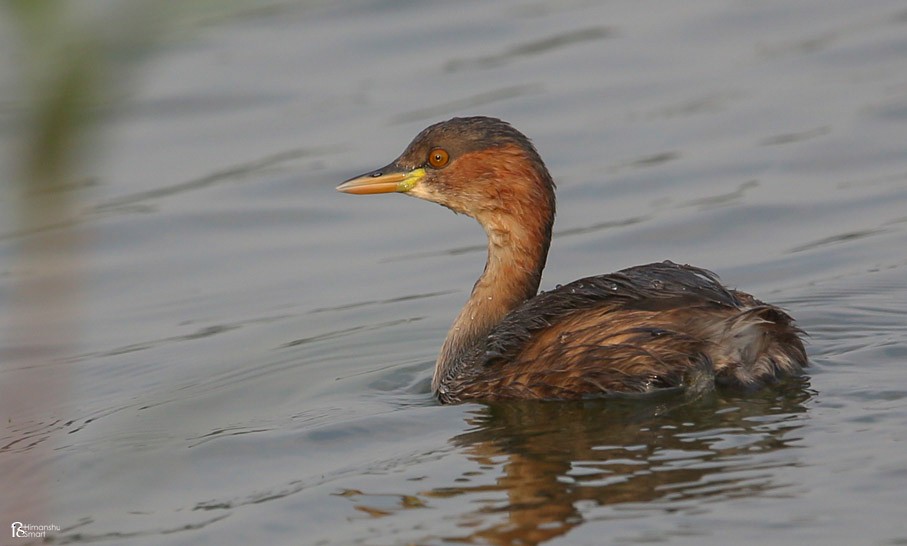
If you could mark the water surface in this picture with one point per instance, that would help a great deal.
(254, 349)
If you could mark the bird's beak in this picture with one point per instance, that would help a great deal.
(391, 178)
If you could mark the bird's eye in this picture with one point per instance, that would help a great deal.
(438, 158)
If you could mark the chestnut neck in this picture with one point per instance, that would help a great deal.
(518, 226)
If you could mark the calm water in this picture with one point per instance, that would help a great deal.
(254, 349)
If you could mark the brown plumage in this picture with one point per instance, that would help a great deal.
(645, 328)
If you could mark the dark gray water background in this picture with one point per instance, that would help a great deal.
(254, 349)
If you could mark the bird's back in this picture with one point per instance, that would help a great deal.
(637, 330)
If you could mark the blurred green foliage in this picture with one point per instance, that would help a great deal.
(65, 78)
(75, 61)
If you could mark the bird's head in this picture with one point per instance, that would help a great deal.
(478, 166)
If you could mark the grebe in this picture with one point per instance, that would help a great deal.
(649, 327)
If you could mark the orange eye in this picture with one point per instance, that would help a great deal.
(438, 158)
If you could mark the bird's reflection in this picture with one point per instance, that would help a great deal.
(553, 462)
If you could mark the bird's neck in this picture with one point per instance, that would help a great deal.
(517, 250)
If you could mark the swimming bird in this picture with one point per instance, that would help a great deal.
(639, 330)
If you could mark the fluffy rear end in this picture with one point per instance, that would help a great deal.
(758, 346)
